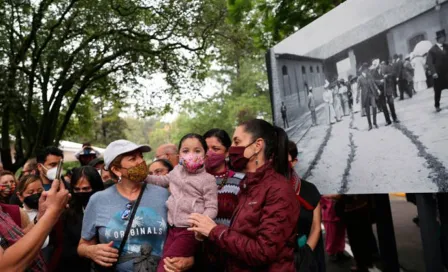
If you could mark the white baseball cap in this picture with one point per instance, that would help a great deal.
(119, 147)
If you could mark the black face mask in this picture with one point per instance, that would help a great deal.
(83, 198)
(32, 201)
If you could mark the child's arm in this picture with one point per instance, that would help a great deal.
(163, 181)
(210, 196)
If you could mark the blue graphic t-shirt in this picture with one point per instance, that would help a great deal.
(105, 212)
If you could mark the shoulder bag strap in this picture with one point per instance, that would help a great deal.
(128, 228)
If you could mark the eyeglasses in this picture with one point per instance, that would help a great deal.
(126, 213)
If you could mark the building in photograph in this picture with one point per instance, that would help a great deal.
(295, 75)
(356, 31)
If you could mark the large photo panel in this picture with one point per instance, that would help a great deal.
(360, 91)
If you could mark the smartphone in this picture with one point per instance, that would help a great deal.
(59, 170)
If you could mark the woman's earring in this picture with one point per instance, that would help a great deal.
(256, 160)
(119, 179)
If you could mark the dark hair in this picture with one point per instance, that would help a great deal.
(165, 163)
(42, 155)
(221, 135)
(292, 150)
(87, 144)
(194, 136)
(72, 216)
(91, 174)
(276, 141)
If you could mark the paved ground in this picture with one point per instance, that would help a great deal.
(347, 158)
(410, 252)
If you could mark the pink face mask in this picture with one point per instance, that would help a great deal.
(192, 162)
(214, 160)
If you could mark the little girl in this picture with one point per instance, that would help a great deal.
(193, 190)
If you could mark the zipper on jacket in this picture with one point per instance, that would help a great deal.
(237, 211)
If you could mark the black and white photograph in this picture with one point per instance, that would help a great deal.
(361, 92)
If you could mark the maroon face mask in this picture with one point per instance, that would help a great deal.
(214, 160)
(236, 157)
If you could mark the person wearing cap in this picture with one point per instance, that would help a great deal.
(106, 215)
(437, 61)
(369, 93)
(86, 154)
(328, 99)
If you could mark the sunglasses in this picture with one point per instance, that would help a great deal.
(126, 213)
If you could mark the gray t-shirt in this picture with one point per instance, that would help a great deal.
(104, 215)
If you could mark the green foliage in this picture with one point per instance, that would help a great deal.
(54, 53)
(271, 21)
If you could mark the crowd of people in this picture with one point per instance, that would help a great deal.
(379, 83)
(212, 203)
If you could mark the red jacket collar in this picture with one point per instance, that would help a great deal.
(253, 178)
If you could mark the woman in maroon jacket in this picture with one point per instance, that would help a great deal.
(261, 234)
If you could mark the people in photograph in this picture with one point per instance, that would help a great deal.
(437, 61)
(348, 83)
(168, 152)
(107, 214)
(310, 247)
(329, 108)
(418, 63)
(193, 190)
(389, 88)
(369, 93)
(380, 81)
(262, 234)
(284, 115)
(355, 92)
(343, 93)
(397, 65)
(337, 101)
(20, 251)
(402, 77)
(408, 74)
(312, 107)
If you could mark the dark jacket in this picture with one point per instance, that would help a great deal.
(263, 230)
(437, 61)
(368, 88)
(398, 69)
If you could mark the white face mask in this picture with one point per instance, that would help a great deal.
(51, 173)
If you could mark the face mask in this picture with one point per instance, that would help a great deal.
(51, 173)
(83, 198)
(236, 156)
(214, 160)
(138, 173)
(32, 201)
(192, 162)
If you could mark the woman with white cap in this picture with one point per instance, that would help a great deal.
(125, 225)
